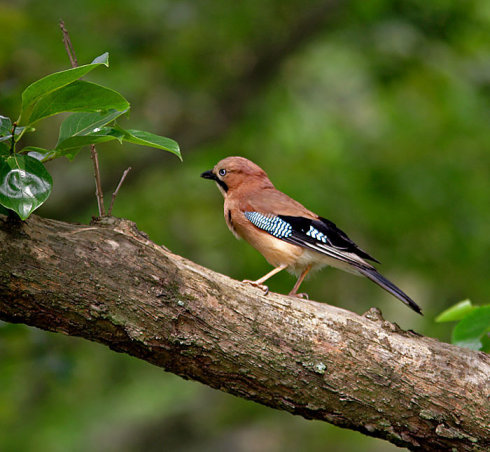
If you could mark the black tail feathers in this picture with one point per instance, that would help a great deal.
(381, 281)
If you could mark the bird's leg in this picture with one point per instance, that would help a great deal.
(264, 278)
(298, 283)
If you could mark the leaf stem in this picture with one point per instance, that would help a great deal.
(12, 143)
(116, 191)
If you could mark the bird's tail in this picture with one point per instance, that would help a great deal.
(381, 281)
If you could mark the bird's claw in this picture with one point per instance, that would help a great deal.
(262, 287)
(300, 295)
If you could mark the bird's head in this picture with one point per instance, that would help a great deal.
(232, 172)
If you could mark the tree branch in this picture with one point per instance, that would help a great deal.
(109, 283)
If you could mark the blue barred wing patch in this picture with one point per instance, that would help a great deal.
(280, 228)
(270, 223)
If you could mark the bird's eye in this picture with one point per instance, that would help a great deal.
(222, 172)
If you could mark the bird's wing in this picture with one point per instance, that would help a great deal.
(283, 217)
(316, 235)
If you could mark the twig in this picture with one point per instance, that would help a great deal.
(12, 144)
(68, 46)
(93, 152)
(98, 184)
(109, 212)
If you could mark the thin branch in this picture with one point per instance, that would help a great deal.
(126, 171)
(93, 151)
(68, 45)
(98, 184)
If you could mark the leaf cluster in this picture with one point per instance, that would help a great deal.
(25, 183)
(473, 327)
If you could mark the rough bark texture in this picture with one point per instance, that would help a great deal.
(108, 283)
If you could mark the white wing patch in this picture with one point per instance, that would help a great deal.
(317, 235)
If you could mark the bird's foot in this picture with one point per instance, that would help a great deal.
(262, 287)
(300, 295)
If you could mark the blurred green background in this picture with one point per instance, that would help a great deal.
(373, 114)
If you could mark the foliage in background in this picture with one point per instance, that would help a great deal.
(25, 183)
(473, 327)
(378, 121)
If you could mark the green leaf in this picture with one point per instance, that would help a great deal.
(4, 150)
(40, 154)
(5, 125)
(456, 312)
(470, 331)
(84, 124)
(485, 342)
(24, 184)
(78, 96)
(152, 140)
(76, 142)
(53, 82)
(101, 59)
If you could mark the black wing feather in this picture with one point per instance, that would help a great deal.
(335, 236)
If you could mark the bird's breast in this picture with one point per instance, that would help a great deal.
(230, 223)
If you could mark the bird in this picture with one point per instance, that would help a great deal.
(286, 233)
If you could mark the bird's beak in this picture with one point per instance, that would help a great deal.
(208, 175)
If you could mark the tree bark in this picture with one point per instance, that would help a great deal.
(108, 283)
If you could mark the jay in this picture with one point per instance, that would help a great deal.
(285, 232)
